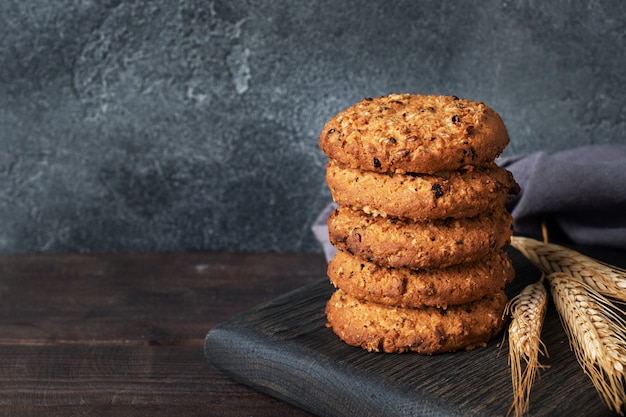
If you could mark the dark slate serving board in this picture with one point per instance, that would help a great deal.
(282, 348)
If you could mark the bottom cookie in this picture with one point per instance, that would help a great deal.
(381, 328)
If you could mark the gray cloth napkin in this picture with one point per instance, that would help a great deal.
(579, 193)
(320, 230)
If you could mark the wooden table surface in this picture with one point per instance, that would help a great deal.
(123, 334)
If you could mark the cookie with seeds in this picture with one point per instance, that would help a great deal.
(439, 287)
(391, 329)
(458, 194)
(404, 243)
(414, 133)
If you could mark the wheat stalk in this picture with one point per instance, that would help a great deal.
(597, 335)
(527, 310)
(607, 279)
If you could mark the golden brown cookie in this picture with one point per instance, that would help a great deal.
(381, 328)
(403, 243)
(414, 133)
(421, 197)
(403, 287)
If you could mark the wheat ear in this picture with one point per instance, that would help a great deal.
(527, 309)
(597, 335)
(606, 279)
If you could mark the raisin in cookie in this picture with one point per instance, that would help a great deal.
(403, 243)
(420, 197)
(382, 328)
(414, 133)
(457, 284)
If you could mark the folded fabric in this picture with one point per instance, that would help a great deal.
(579, 194)
(320, 230)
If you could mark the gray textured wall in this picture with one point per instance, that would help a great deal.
(192, 125)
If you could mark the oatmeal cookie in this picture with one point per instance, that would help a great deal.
(404, 243)
(414, 133)
(403, 287)
(381, 328)
(420, 197)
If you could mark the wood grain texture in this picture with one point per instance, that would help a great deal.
(284, 349)
(123, 334)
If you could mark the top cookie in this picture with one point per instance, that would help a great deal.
(414, 133)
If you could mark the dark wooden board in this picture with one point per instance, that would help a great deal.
(282, 348)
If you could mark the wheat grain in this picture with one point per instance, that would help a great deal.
(608, 280)
(527, 310)
(597, 335)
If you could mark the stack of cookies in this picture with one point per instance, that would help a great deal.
(421, 223)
